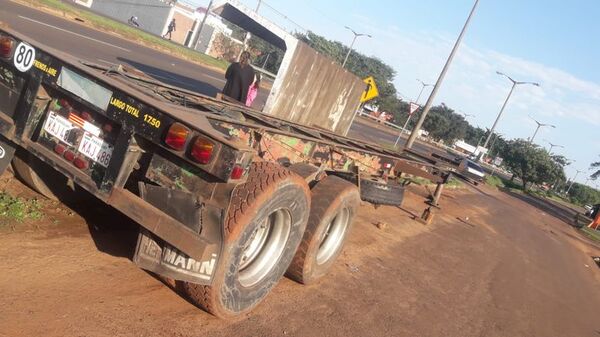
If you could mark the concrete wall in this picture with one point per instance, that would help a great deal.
(183, 27)
(152, 14)
(315, 91)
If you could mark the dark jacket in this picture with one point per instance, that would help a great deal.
(238, 81)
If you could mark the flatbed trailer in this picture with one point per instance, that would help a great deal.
(228, 199)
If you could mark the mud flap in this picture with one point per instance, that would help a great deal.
(154, 255)
(158, 256)
(7, 152)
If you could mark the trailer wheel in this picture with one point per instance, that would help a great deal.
(263, 228)
(333, 207)
(381, 193)
(38, 175)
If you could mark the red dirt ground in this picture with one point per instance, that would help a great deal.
(490, 264)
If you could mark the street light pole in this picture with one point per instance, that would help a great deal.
(514, 84)
(539, 125)
(572, 181)
(552, 146)
(438, 83)
(423, 85)
(356, 35)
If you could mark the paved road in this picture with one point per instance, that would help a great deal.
(97, 47)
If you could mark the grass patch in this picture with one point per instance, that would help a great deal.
(454, 183)
(18, 209)
(494, 181)
(591, 233)
(129, 33)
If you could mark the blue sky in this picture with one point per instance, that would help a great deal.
(552, 42)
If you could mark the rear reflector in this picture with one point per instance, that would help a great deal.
(237, 172)
(202, 150)
(177, 136)
(7, 44)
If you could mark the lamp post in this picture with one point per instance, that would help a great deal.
(356, 35)
(539, 125)
(514, 84)
(552, 146)
(438, 83)
(423, 85)
(572, 181)
(465, 115)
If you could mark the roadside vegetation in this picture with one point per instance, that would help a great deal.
(591, 233)
(127, 32)
(18, 209)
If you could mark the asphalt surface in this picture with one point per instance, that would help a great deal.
(106, 49)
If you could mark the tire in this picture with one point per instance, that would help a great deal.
(379, 193)
(38, 175)
(333, 207)
(257, 251)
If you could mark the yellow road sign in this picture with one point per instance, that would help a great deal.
(371, 90)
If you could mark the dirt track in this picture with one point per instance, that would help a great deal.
(509, 270)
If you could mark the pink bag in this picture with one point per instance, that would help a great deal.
(252, 93)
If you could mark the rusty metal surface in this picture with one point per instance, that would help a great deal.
(156, 221)
(317, 91)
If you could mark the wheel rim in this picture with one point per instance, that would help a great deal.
(264, 248)
(333, 236)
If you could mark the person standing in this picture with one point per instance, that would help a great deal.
(239, 76)
(253, 90)
(170, 29)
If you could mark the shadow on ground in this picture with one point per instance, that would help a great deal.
(112, 232)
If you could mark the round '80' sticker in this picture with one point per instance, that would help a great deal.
(24, 57)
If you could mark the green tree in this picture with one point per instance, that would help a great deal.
(531, 163)
(360, 65)
(443, 123)
(584, 195)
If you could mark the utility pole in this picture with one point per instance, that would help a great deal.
(438, 83)
(197, 39)
(356, 35)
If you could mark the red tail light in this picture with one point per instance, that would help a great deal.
(59, 148)
(202, 150)
(69, 155)
(177, 136)
(7, 44)
(80, 163)
(237, 172)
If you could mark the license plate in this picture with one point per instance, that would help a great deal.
(96, 149)
(59, 127)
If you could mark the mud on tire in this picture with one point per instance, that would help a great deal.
(263, 228)
(333, 207)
